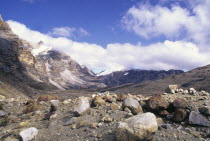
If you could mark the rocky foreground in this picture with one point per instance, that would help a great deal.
(176, 115)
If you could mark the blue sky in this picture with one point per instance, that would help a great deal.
(117, 34)
(100, 18)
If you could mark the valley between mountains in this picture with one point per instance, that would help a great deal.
(50, 97)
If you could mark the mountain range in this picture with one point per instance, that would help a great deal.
(23, 72)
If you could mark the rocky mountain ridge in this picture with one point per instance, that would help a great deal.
(136, 76)
(198, 78)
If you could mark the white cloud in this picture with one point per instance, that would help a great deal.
(68, 32)
(190, 23)
(62, 31)
(158, 56)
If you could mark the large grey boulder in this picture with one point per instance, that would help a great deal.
(137, 128)
(81, 105)
(29, 134)
(198, 119)
(133, 105)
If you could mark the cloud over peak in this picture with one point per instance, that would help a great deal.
(68, 32)
(115, 57)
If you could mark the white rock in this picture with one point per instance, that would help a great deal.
(10, 99)
(172, 89)
(181, 90)
(81, 105)
(29, 134)
(2, 113)
(139, 127)
(185, 92)
(67, 101)
(192, 91)
(204, 93)
(198, 119)
(93, 95)
(207, 102)
(2, 98)
(55, 102)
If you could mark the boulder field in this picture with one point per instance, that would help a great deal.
(176, 115)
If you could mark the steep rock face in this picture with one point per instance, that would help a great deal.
(19, 57)
(15, 55)
(136, 76)
(65, 73)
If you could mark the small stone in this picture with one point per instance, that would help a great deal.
(159, 121)
(181, 90)
(24, 123)
(180, 128)
(54, 116)
(171, 89)
(81, 105)
(94, 125)
(121, 97)
(166, 126)
(169, 116)
(179, 115)
(205, 110)
(73, 126)
(185, 92)
(109, 98)
(133, 105)
(2, 98)
(98, 101)
(55, 102)
(195, 133)
(204, 93)
(67, 101)
(180, 103)
(84, 124)
(29, 134)
(115, 106)
(69, 121)
(192, 91)
(128, 115)
(127, 110)
(32, 108)
(2, 113)
(100, 124)
(163, 113)
(207, 102)
(106, 119)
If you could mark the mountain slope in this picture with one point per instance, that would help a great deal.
(65, 73)
(135, 76)
(22, 69)
(198, 78)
